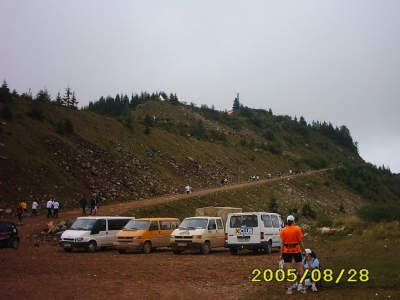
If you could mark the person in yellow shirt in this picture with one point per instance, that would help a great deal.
(23, 204)
(291, 248)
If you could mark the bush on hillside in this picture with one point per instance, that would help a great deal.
(68, 127)
(379, 213)
(6, 113)
(35, 112)
(308, 212)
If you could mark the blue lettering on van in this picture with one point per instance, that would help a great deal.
(246, 230)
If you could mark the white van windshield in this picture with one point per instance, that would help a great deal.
(243, 221)
(193, 224)
(137, 225)
(83, 224)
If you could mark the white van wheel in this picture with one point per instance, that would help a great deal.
(91, 247)
(205, 249)
(147, 247)
(268, 249)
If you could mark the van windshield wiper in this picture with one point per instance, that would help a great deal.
(189, 227)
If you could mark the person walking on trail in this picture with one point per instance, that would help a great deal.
(291, 248)
(20, 212)
(24, 206)
(49, 206)
(187, 189)
(34, 208)
(56, 205)
(93, 205)
(83, 204)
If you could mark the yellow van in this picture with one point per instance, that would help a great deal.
(145, 234)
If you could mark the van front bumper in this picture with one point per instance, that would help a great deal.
(186, 245)
(71, 244)
(128, 246)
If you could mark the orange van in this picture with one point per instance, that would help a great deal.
(145, 234)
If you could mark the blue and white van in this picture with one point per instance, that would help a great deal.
(254, 231)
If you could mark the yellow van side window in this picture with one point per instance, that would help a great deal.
(165, 225)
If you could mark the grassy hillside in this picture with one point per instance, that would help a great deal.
(180, 144)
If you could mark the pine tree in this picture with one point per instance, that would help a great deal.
(43, 96)
(74, 102)
(67, 97)
(5, 92)
(59, 100)
(236, 103)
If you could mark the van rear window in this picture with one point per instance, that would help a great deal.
(244, 221)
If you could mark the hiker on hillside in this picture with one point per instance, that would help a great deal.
(49, 206)
(34, 207)
(24, 206)
(56, 206)
(188, 189)
(83, 204)
(20, 212)
(93, 205)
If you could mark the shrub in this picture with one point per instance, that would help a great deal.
(68, 127)
(6, 113)
(273, 205)
(60, 127)
(324, 220)
(307, 211)
(379, 213)
(35, 112)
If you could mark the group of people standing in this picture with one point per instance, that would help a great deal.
(291, 249)
(52, 207)
(94, 203)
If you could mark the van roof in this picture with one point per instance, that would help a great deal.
(105, 217)
(254, 213)
(158, 219)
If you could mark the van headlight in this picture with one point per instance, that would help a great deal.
(172, 236)
(79, 239)
(197, 236)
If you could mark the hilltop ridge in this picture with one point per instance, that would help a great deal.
(179, 145)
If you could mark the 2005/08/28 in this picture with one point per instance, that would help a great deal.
(327, 275)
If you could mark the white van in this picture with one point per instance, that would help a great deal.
(254, 231)
(202, 232)
(91, 233)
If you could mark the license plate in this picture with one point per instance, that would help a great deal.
(182, 244)
(67, 245)
(245, 239)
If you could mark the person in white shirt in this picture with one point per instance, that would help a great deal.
(56, 205)
(187, 189)
(49, 206)
(34, 208)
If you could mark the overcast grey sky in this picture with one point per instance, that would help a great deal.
(335, 61)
